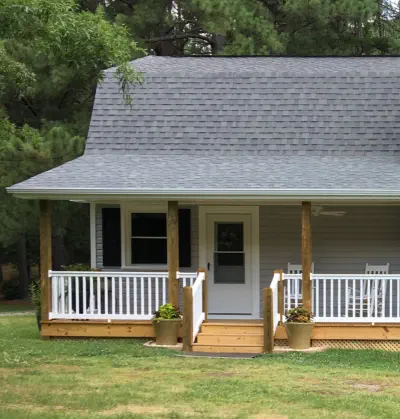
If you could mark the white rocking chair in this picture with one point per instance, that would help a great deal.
(360, 299)
(295, 289)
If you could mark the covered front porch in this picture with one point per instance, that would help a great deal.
(231, 244)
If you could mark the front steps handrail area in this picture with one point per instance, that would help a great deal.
(272, 309)
(194, 309)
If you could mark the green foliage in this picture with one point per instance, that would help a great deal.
(299, 315)
(34, 294)
(76, 267)
(167, 312)
(10, 290)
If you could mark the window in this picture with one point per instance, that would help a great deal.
(149, 238)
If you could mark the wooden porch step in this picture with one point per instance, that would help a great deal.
(236, 348)
(232, 328)
(230, 339)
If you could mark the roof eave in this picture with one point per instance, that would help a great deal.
(205, 194)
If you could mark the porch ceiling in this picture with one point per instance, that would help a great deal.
(245, 176)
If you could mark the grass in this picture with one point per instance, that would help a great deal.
(14, 306)
(121, 379)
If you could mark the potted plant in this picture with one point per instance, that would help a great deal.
(299, 324)
(166, 322)
(34, 293)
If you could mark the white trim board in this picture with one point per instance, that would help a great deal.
(254, 212)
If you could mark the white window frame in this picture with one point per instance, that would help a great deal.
(126, 239)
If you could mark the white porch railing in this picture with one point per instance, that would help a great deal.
(348, 298)
(109, 295)
(274, 286)
(198, 309)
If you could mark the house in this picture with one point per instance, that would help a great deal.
(226, 164)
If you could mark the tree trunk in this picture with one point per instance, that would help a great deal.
(22, 267)
(218, 42)
(59, 255)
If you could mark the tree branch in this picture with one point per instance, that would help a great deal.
(179, 36)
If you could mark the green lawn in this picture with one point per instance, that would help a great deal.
(15, 305)
(122, 379)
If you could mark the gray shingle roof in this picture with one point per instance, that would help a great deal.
(223, 173)
(245, 122)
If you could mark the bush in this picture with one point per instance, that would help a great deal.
(167, 312)
(10, 290)
(76, 267)
(299, 315)
(34, 294)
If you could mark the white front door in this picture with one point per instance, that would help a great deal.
(229, 265)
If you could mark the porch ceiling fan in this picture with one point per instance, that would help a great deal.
(318, 210)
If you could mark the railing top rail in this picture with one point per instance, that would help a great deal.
(275, 280)
(180, 275)
(107, 273)
(200, 278)
(345, 276)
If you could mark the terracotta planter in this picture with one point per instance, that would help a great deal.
(166, 331)
(299, 335)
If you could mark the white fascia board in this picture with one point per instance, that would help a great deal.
(245, 194)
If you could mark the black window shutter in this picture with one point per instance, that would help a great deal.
(111, 237)
(184, 239)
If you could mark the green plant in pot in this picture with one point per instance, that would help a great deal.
(166, 322)
(34, 294)
(299, 324)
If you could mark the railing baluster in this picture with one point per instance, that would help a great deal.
(331, 282)
(113, 295)
(98, 295)
(164, 290)
(376, 297)
(135, 305)
(288, 286)
(69, 295)
(339, 305)
(383, 289)
(120, 302)
(91, 299)
(142, 295)
(128, 297)
(361, 298)
(346, 297)
(149, 308)
(105, 295)
(316, 297)
(324, 299)
(354, 298)
(77, 295)
(391, 299)
(84, 308)
(369, 286)
(62, 283)
(157, 291)
(398, 297)
(296, 292)
(54, 293)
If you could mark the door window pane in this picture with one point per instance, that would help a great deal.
(229, 237)
(229, 267)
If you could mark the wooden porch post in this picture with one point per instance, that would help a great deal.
(268, 320)
(45, 257)
(306, 254)
(173, 252)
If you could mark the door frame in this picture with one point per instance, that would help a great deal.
(254, 213)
